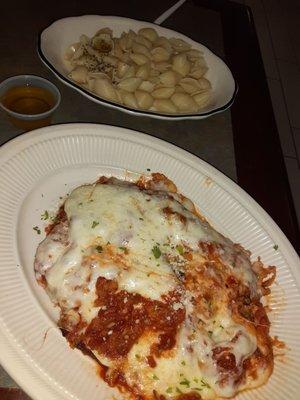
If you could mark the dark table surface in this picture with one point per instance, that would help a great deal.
(241, 142)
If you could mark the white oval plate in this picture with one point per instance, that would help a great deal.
(39, 167)
(55, 39)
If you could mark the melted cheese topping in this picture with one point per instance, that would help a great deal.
(141, 239)
(181, 373)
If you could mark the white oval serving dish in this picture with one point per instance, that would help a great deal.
(42, 166)
(56, 38)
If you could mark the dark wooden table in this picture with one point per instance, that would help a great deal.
(242, 142)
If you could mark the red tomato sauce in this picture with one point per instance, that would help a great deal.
(125, 317)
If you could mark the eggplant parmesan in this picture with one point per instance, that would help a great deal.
(169, 307)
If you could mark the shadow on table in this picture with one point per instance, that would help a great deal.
(12, 394)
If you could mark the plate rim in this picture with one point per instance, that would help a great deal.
(142, 113)
(24, 372)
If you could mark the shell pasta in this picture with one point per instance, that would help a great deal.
(141, 70)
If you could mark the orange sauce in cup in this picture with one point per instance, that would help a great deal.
(28, 100)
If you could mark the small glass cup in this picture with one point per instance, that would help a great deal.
(29, 101)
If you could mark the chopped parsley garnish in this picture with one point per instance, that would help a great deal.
(208, 302)
(196, 380)
(180, 249)
(141, 219)
(156, 251)
(54, 219)
(45, 215)
(37, 229)
(166, 244)
(137, 356)
(210, 333)
(91, 200)
(124, 249)
(196, 388)
(94, 224)
(178, 390)
(185, 382)
(148, 169)
(169, 390)
(99, 249)
(183, 363)
(275, 247)
(221, 326)
(80, 204)
(155, 377)
(205, 384)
